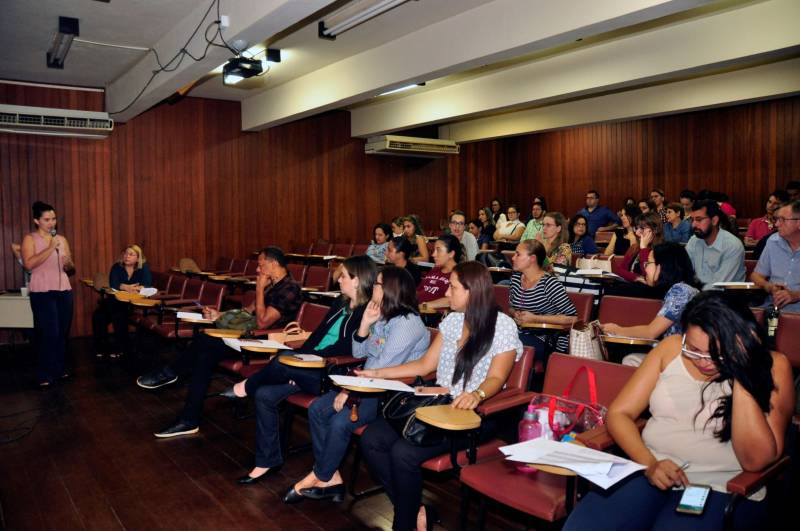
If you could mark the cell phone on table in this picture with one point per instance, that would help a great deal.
(694, 499)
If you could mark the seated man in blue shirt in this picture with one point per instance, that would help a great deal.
(717, 255)
(778, 269)
(598, 216)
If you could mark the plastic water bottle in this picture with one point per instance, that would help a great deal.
(529, 426)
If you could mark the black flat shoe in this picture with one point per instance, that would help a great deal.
(247, 479)
(334, 493)
(292, 496)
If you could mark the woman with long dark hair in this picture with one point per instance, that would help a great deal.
(48, 257)
(720, 403)
(382, 232)
(276, 381)
(391, 333)
(472, 356)
(623, 236)
(413, 232)
(579, 240)
(399, 253)
(447, 253)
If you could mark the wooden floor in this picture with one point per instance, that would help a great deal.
(86, 458)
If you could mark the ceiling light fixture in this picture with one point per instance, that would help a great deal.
(353, 14)
(62, 40)
(402, 89)
(239, 68)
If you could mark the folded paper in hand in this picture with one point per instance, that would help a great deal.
(602, 469)
(236, 344)
(372, 383)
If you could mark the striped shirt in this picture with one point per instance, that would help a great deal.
(546, 297)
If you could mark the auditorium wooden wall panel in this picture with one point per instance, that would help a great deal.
(745, 151)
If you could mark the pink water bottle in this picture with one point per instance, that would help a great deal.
(529, 428)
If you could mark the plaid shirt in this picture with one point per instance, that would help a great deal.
(285, 296)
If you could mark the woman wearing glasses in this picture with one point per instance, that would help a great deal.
(669, 269)
(511, 230)
(720, 404)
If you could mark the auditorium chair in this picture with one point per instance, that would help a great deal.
(501, 293)
(344, 250)
(627, 311)
(545, 496)
(359, 249)
(297, 272)
(584, 304)
(188, 265)
(222, 267)
(238, 267)
(299, 247)
(321, 248)
(208, 294)
(160, 280)
(749, 267)
(174, 289)
(317, 277)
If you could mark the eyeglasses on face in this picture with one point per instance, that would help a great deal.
(781, 219)
(691, 354)
(457, 223)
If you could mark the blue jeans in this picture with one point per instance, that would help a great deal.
(52, 318)
(331, 431)
(635, 504)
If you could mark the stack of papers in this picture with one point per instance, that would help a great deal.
(602, 469)
(734, 285)
(236, 344)
(148, 292)
(190, 315)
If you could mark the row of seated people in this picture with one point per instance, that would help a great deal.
(322, 487)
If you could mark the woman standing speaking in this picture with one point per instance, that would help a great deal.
(47, 256)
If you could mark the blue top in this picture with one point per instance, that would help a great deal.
(723, 261)
(599, 217)
(118, 276)
(780, 264)
(584, 245)
(675, 301)
(679, 235)
(404, 338)
(377, 251)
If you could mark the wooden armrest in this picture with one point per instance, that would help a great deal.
(505, 400)
(746, 483)
(343, 361)
(179, 302)
(164, 296)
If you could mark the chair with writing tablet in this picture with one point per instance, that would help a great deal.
(321, 248)
(344, 250)
(547, 497)
(317, 278)
(360, 248)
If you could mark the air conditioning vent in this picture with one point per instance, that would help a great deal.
(409, 146)
(58, 122)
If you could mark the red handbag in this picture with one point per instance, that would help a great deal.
(566, 415)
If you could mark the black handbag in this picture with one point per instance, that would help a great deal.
(400, 412)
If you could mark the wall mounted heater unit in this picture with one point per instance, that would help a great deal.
(409, 146)
(54, 122)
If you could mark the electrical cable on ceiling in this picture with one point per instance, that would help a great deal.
(183, 52)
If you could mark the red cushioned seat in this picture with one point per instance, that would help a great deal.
(540, 494)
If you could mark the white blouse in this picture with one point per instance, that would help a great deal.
(451, 327)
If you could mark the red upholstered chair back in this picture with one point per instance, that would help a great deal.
(194, 288)
(610, 377)
(583, 305)
(160, 280)
(501, 296)
(321, 247)
(248, 298)
(749, 266)
(297, 272)
(317, 277)
(627, 311)
(177, 285)
(299, 247)
(603, 236)
(342, 249)
(311, 315)
(360, 248)
(431, 246)
(787, 337)
(250, 269)
(223, 264)
(616, 261)
(238, 266)
(518, 379)
(212, 295)
(758, 313)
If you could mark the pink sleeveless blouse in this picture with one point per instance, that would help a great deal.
(49, 275)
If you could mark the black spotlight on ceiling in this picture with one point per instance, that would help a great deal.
(240, 68)
(62, 40)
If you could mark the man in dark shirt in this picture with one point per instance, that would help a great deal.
(279, 305)
(598, 216)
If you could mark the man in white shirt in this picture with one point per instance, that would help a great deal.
(458, 221)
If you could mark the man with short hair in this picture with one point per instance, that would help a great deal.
(716, 254)
(458, 222)
(763, 226)
(793, 189)
(778, 269)
(534, 226)
(598, 216)
(278, 306)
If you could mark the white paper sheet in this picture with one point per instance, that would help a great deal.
(148, 292)
(331, 294)
(308, 357)
(190, 315)
(426, 264)
(600, 468)
(373, 383)
(236, 344)
(733, 284)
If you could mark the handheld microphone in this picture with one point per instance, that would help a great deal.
(53, 234)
